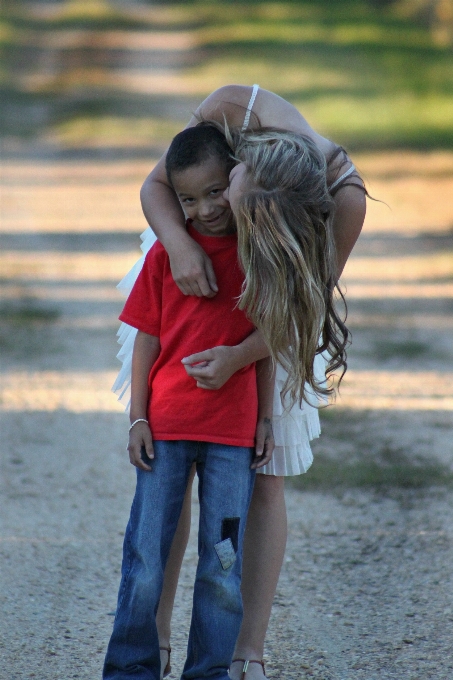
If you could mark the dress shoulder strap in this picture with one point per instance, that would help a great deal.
(348, 172)
(250, 107)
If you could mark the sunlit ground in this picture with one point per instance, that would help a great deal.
(80, 391)
(72, 197)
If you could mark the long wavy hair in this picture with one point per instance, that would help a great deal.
(287, 251)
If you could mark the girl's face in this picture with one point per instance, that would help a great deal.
(234, 192)
(200, 189)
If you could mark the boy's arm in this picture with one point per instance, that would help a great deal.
(264, 438)
(213, 367)
(146, 351)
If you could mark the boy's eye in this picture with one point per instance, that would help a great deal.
(188, 200)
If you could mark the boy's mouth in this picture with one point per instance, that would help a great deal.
(214, 220)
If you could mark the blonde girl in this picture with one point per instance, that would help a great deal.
(290, 278)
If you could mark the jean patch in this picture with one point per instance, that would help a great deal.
(225, 553)
(230, 529)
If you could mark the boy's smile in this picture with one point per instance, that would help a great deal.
(200, 191)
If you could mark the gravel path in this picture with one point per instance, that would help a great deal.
(366, 591)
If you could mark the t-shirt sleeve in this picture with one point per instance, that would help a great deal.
(143, 308)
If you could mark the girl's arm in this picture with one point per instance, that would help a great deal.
(264, 438)
(350, 205)
(191, 268)
(349, 216)
(212, 368)
(146, 351)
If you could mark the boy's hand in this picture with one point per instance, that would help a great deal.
(212, 368)
(264, 443)
(140, 445)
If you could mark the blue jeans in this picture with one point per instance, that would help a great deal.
(225, 489)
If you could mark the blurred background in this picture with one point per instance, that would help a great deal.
(92, 91)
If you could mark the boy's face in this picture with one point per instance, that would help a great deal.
(200, 191)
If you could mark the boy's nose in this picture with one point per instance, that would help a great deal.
(207, 208)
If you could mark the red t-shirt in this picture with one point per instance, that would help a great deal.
(178, 409)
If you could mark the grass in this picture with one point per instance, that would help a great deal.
(27, 312)
(404, 349)
(395, 470)
(88, 14)
(114, 130)
(25, 330)
(369, 454)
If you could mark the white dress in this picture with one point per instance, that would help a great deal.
(293, 428)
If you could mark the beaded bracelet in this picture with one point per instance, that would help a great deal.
(139, 420)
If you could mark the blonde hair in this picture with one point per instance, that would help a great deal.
(286, 249)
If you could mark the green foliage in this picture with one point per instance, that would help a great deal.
(371, 75)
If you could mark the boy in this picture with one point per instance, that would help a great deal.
(176, 424)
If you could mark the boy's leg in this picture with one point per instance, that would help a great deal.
(133, 650)
(225, 488)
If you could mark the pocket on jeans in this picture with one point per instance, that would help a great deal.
(226, 553)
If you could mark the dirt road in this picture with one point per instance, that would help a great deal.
(366, 590)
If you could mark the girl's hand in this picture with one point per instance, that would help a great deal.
(192, 269)
(140, 440)
(264, 443)
(212, 368)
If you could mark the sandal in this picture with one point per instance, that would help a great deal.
(246, 665)
(167, 669)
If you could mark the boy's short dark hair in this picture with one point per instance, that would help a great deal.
(196, 145)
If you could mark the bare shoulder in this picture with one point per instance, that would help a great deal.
(274, 111)
(269, 110)
(229, 101)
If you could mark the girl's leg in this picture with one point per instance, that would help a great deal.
(264, 549)
(171, 576)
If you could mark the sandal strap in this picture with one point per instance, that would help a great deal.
(246, 665)
(167, 669)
